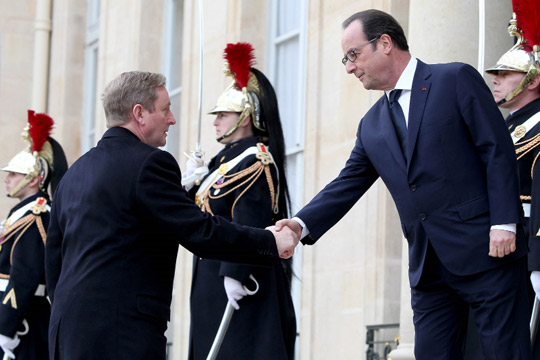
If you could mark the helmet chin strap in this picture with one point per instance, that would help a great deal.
(243, 115)
(529, 76)
(24, 181)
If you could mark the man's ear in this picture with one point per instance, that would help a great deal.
(34, 182)
(535, 83)
(386, 42)
(246, 122)
(137, 113)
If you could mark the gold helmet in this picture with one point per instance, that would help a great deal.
(242, 96)
(37, 159)
(524, 55)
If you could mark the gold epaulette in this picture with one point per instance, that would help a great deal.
(264, 155)
(39, 206)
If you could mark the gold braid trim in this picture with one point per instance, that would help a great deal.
(23, 224)
(254, 171)
(234, 177)
(524, 197)
(19, 224)
(527, 145)
(29, 223)
(534, 162)
(41, 229)
(270, 182)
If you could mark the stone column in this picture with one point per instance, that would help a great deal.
(405, 350)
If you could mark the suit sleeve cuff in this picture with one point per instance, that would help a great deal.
(305, 231)
(507, 227)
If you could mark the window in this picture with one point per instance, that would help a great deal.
(172, 67)
(286, 71)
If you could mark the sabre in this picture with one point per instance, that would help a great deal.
(201, 62)
(225, 321)
(534, 319)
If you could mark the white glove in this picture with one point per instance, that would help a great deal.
(8, 345)
(194, 161)
(535, 281)
(196, 170)
(235, 291)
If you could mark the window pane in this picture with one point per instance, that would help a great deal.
(175, 77)
(173, 136)
(288, 15)
(287, 89)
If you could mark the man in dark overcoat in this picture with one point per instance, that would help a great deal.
(118, 217)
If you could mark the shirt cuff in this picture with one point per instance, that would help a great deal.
(305, 231)
(507, 227)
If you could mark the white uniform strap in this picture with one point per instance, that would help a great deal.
(20, 212)
(214, 176)
(528, 125)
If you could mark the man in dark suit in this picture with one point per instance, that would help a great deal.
(116, 222)
(443, 151)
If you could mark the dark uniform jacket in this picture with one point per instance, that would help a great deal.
(527, 150)
(265, 325)
(22, 254)
(116, 222)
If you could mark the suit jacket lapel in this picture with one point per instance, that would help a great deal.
(390, 133)
(419, 94)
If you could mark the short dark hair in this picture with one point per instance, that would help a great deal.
(376, 23)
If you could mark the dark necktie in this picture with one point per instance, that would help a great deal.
(399, 120)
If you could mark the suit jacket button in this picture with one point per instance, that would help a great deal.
(412, 187)
(423, 216)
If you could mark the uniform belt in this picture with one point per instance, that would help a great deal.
(526, 209)
(40, 291)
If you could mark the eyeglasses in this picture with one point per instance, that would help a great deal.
(351, 54)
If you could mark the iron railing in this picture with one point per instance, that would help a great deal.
(379, 341)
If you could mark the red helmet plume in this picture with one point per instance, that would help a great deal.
(40, 127)
(240, 58)
(527, 18)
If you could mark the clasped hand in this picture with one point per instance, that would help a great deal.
(287, 233)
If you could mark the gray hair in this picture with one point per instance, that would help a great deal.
(127, 90)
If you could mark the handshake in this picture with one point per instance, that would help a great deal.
(287, 233)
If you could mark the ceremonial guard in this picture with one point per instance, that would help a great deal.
(245, 183)
(24, 307)
(517, 88)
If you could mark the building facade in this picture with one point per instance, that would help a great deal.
(56, 56)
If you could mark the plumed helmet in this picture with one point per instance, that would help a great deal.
(42, 158)
(524, 55)
(243, 94)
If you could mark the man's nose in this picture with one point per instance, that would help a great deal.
(349, 67)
